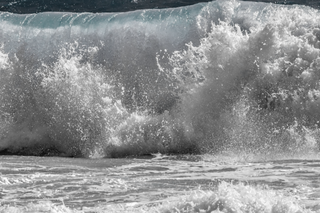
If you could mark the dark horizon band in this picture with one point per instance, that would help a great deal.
(96, 6)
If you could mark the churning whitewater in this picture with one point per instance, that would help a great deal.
(234, 84)
(208, 78)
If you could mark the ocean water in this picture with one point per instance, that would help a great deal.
(160, 184)
(212, 107)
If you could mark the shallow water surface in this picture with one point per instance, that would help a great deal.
(88, 183)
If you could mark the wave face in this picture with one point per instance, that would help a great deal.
(36, 6)
(215, 77)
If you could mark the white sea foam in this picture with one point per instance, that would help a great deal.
(228, 198)
(205, 78)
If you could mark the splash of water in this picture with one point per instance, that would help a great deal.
(223, 76)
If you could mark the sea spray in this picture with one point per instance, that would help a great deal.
(245, 88)
(226, 75)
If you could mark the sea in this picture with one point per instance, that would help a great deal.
(210, 107)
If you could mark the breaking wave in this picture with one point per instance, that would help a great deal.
(225, 76)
